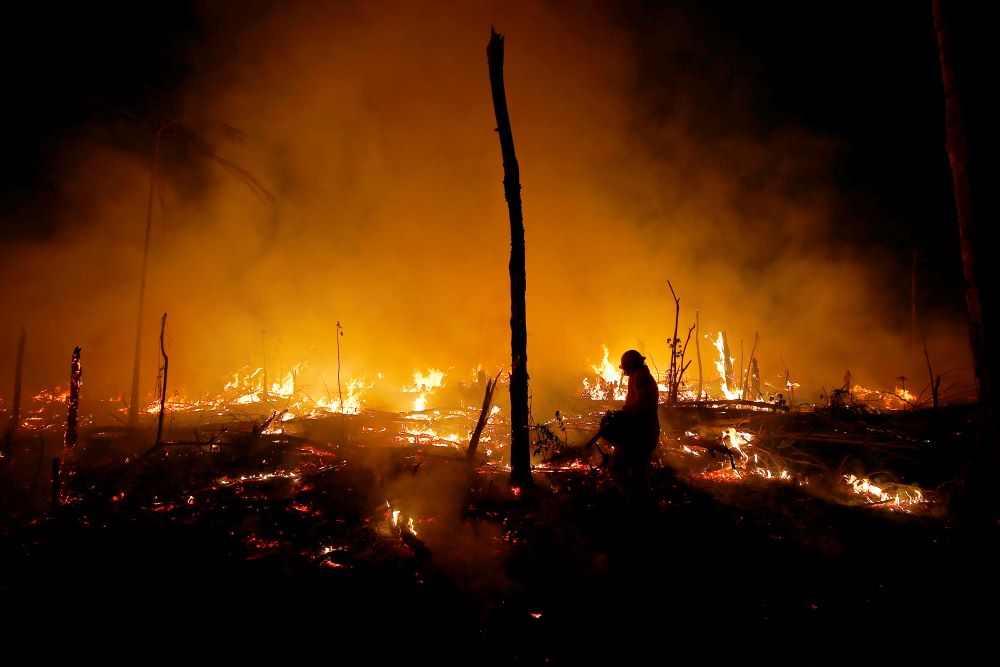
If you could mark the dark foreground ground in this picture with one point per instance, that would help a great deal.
(299, 559)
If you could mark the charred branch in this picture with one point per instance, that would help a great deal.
(484, 416)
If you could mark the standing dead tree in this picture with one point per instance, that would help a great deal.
(674, 353)
(163, 382)
(177, 129)
(750, 387)
(968, 129)
(73, 402)
(520, 444)
(677, 353)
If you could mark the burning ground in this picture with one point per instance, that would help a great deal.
(244, 535)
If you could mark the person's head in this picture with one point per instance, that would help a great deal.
(632, 361)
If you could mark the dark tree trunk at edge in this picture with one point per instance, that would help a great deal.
(964, 134)
(520, 447)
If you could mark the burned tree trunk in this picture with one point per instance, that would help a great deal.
(674, 342)
(163, 385)
(15, 408)
(520, 447)
(968, 148)
(73, 404)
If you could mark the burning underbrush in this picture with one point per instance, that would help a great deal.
(384, 512)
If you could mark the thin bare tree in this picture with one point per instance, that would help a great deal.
(177, 128)
(520, 446)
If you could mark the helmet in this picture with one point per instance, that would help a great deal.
(632, 359)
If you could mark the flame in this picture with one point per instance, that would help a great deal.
(395, 519)
(609, 383)
(894, 496)
(424, 384)
(731, 394)
(900, 399)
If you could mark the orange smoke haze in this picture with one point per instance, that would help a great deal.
(372, 124)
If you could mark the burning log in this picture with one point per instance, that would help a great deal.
(15, 413)
(75, 380)
(484, 416)
(520, 445)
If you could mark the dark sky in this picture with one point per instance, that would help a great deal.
(863, 74)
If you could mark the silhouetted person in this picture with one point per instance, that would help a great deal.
(635, 429)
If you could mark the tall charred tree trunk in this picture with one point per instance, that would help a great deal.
(133, 406)
(15, 408)
(163, 385)
(73, 404)
(697, 349)
(520, 447)
(970, 152)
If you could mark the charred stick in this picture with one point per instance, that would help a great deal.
(484, 416)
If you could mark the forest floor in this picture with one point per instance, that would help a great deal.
(335, 543)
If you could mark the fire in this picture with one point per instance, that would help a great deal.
(396, 520)
(895, 496)
(427, 435)
(424, 384)
(900, 399)
(721, 365)
(609, 384)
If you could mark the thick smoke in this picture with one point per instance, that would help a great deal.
(372, 125)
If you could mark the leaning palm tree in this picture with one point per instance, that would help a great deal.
(177, 128)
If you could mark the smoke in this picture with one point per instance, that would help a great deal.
(372, 125)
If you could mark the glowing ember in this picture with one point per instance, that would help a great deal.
(893, 496)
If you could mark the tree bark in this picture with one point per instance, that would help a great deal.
(520, 448)
(73, 404)
(163, 386)
(969, 155)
